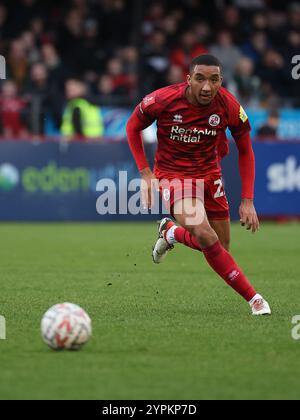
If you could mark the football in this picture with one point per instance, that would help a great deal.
(66, 326)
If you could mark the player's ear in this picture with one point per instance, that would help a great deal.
(189, 80)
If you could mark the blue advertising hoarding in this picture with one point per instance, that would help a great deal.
(278, 179)
(277, 187)
(51, 181)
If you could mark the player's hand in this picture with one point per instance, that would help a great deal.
(149, 187)
(249, 216)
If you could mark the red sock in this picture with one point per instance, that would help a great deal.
(184, 237)
(224, 265)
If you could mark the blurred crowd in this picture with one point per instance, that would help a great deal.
(112, 52)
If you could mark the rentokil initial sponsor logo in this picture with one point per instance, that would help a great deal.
(192, 135)
(284, 177)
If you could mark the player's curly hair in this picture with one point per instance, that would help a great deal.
(205, 60)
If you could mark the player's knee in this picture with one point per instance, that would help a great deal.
(205, 235)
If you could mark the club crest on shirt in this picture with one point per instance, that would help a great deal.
(214, 120)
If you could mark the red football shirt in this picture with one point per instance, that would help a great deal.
(191, 140)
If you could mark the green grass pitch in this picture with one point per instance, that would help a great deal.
(173, 331)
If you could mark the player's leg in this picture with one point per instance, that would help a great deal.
(169, 233)
(196, 222)
(166, 228)
(217, 209)
(222, 229)
(174, 234)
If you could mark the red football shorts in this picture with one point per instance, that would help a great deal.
(210, 190)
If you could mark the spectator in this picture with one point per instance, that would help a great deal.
(269, 130)
(247, 84)
(18, 62)
(260, 22)
(130, 56)
(130, 59)
(4, 27)
(70, 36)
(37, 27)
(276, 25)
(57, 72)
(249, 5)
(11, 109)
(92, 56)
(44, 100)
(293, 46)
(271, 71)
(256, 46)
(121, 80)
(203, 32)
(175, 75)
(156, 60)
(115, 20)
(29, 44)
(21, 14)
(294, 16)
(153, 20)
(189, 49)
(231, 22)
(108, 95)
(227, 53)
(81, 119)
(170, 26)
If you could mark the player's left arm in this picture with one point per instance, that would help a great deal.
(248, 213)
(241, 129)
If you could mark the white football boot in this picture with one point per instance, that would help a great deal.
(162, 247)
(260, 306)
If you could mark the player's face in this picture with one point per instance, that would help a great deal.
(204, 84)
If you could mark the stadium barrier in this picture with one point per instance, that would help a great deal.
(289, 122)
(57, 182)
(115, 120)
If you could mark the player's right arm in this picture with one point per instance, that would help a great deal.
(143, 116)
